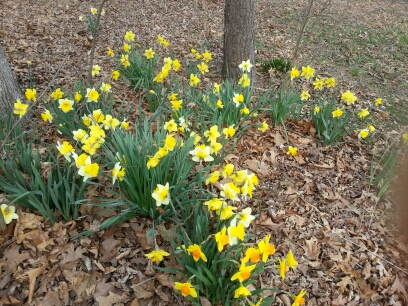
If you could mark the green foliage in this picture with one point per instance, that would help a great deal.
(383, 172)
(277, 64)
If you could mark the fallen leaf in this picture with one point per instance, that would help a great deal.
(32, 276)
(111, 299)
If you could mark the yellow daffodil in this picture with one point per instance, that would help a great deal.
(57, 94)
(237, 99)
(170, 126)
(371, 128)
(77, 96)
(194, 80)
(176, 65)
(213, 177)
(207, 56)
(227, 170)
(65, 105)
(92, 95)
(318, 84)
(196, 252)
(117, 173)
(299, 299)
(337, 113)
(330, 82)
(244, 111)
(129, 36)
(378, 102)
(363, 133)
(214, 204)
(307, 72)
(89, 169)
(94, 10)
(304, 95)
(203, 68)
(363, 113)
(65, 149)
(8, 212)
(110, 52)
(79, 135)
(20, 108)
(266, 248)
(229, 131)
(244, 272)
(162, 41)
(291, 261)
(152, 162)
(405, 137)
(46, 116)
(292, 151)
(212, 134)
(245, 217)
(125, 60)
(241, 291)
(252, 254)
(236, 232)
(161, 194)
(348, 97)
(157, 255)
(201, 153)
(115, 75)
(149, 53)
(30, 94)
(294, 73)
(95, 70)
(283, 268)
(185, 289)
(263, 127)
(317, 109)
(226, 212)
(219, 104)
(244, 81)
(79, 160)
(222, 239)
(126, 47)
(230, 191)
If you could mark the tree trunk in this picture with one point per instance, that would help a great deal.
(238, 37)
(9, 90)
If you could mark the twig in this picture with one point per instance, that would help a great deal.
(95, 35)
(141, 283)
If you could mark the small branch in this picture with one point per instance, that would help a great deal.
(95, 35)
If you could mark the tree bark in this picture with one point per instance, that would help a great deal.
(239, 37)
(9, 90)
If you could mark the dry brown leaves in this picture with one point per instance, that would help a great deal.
(319, 203)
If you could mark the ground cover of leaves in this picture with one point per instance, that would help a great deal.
(319, 204)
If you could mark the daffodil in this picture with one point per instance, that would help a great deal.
(363, 133)
(292, 151)
(241, 291)
(194, 80)
(207, 56)
(65, 105)
(185, 289)
(65, 149)
(117, 173)
(89, 169)
(337, 113)
(170, 126)
(162, 41)
(20, 108)
(129, 36)
(266, 248)
(196, 252)
(348, 97)
(92, 95)
(79, 160)
(176, 104)
(125, 60)
(226, 212)
(214, 204)
(157, 255)
(245, 217)
(95, 70)
(299, 299)
(307, 72)
(161, 194)
(30, 94)
(316, 109)
(105, 87)
(98, 116)
(294, 73)
(244, 272)
(244, 111)
(245, 66)
(230, 191)
(212, 134)
(57, 94)
(46, 116)
(94, 10)
(222, 239)
(252, 254)
(77, 96)
(170, 142)
(79, 135)
(201, 153)
(264, 126)
(203, 68)
(237, 99)
(330, 82)
(229, 131)
(8, 212)
(227, 170)
(291, 261)
(363, 113)
(219, 104)
(149, 53)
(110, 52)
(283, 268)
(236, 232)
(213, 177)
(304, 95)
(371, 128)
(176, 65)
(115, 74)
(378, 102)
(244, 81)
(318, 84)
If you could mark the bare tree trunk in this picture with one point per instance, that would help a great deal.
(9, 90)
(238, 37)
